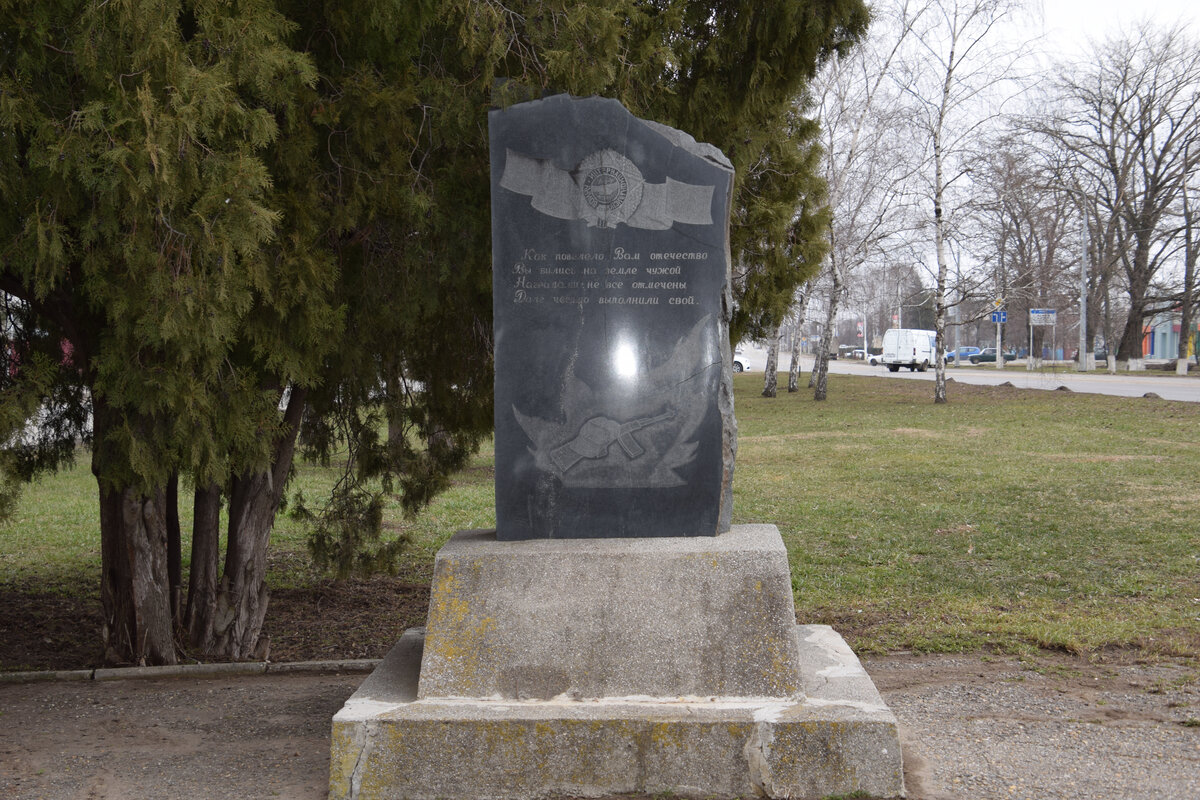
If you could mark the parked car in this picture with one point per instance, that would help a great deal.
(874, 359)
(962, 353)
(859, 354)
(988, 354)
(1100, 354)
(749, 357)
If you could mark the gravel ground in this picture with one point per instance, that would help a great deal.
(1067, 730)
(973, 728)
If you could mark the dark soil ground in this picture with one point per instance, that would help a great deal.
(355, 618)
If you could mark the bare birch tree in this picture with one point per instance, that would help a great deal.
(771, 373)
(953, 74)
(819, 380)
(799, 311)
(867, 167)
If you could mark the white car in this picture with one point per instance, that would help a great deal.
(749, 358)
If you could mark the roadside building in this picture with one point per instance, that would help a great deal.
(1161, 336)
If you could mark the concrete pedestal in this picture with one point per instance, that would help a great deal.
(623, 666)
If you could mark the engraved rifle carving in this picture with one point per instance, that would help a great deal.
(667, 403)
(597, 435)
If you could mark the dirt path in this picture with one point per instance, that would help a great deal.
(973, 727)
(217, 738)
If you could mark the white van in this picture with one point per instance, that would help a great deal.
(909, 347)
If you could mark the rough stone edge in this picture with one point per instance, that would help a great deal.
(744, 537)
(47, 675)
(216, 670)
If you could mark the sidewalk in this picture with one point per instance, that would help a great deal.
(974, 728)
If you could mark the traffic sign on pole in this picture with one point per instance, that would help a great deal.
(999, 316)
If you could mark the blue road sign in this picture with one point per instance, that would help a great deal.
(999, 316)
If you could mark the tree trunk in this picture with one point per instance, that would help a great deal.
(820, 376)
(1186, 326)
(794, 367)
(771, 374)
(230, 625)
(939, 241)
(1037, 340)
(134, 596)
(134, 587)
(203, 578)
(174, 551)
(1110, 363)
(395, 402)
(1130, 350)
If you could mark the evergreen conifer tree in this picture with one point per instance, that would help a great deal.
(142, 231)
(238, 218)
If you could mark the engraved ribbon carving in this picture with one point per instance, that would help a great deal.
(606, 189)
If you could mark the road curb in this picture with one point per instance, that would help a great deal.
(215, 670)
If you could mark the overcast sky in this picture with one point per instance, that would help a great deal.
(1070, 23)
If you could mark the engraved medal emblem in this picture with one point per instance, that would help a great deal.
(612, 188)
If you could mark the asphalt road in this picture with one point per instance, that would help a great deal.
(1129, 384)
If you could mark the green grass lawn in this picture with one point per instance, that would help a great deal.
(1006, 519)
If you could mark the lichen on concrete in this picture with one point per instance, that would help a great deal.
(719, 747)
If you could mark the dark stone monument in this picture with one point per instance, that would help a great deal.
(611, 279)
(625, 638)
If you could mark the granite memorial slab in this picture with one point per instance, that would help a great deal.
(610, 275)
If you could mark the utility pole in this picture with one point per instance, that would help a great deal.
(1083, 364)
(1000, 313)
(958, 315)
(999, 349)
(1029, 364)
